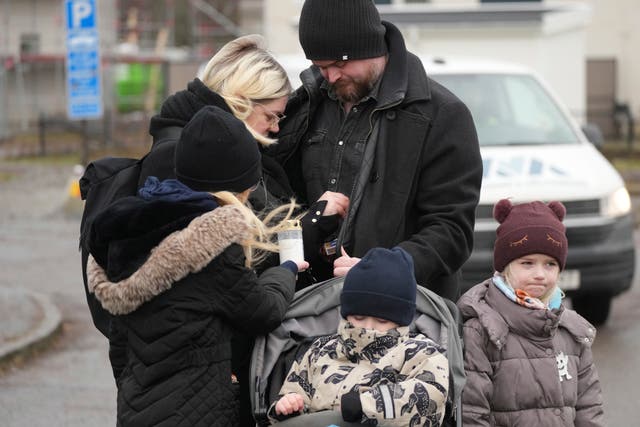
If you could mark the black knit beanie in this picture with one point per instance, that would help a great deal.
(341, 30)
(382, 284)
(216, 152)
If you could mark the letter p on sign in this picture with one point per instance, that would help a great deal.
(81, 11)
(80, 14)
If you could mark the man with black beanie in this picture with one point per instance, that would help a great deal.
(369, 123)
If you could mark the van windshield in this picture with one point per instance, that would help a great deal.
(510, 109)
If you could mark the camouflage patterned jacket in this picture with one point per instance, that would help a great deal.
(401, 379)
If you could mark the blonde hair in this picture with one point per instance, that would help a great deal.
(243, 72)
(261, 240)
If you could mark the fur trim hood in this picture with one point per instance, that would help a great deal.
(181, 253)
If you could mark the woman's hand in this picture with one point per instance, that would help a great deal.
(337, 203)
(302, 265)
(289, 404)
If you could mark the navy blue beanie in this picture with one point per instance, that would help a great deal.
(381, 285)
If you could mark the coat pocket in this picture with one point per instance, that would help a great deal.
(315, 150)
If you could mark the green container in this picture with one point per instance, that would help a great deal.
(132, 84)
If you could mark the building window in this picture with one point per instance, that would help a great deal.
(29, 44)
(400, 1)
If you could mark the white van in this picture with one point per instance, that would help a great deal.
(532, 149)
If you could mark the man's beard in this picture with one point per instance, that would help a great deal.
(351, 91)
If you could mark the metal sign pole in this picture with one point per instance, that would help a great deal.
(84, 153)
(83, 66)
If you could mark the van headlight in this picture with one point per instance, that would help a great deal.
(616, 204)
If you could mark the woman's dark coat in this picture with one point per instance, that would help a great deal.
(165, 128)
(112, 178)
(173, 277)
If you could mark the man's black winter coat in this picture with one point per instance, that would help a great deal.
(419, 183)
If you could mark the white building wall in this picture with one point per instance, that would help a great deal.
(280, 25)
(555, 48)
(34, 87)
(41, 17)
(46, 18)
(614, 32)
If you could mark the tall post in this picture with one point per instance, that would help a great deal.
(84, 152)
(4, 73)
(83, 66)
(42, 133)
(4, 130)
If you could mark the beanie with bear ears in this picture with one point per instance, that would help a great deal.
(529, 228)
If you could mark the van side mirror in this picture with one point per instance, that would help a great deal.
(593, 134)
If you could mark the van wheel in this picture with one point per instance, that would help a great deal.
(594, 307)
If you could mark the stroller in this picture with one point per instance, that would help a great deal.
(315, 311)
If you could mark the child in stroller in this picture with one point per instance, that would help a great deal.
(380, 286)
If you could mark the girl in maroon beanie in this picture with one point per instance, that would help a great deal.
(528, 358)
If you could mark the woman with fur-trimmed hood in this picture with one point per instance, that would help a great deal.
(173, 265)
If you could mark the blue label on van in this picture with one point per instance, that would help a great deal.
(518, 167)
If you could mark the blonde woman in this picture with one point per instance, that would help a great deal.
(244, 79)
(173, 266)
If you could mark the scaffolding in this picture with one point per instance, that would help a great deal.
(203, 25)
(149, 33)
(214, 23)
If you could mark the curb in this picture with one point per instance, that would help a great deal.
(35, 337)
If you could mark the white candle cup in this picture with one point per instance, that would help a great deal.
(290, 243)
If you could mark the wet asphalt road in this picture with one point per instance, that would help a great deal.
(70, 383)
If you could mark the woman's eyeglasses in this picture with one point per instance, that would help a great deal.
(272, 118)
(255, 186)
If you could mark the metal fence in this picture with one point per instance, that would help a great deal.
(33, 118)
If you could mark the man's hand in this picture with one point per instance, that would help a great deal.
(289, 404)
(343, 264)
(337, 203)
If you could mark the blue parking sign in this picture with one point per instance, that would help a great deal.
(80, 14)
(84, 88)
